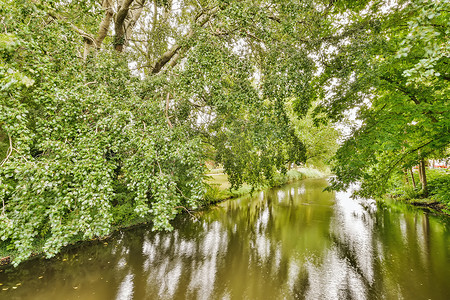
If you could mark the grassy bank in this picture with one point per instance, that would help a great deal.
(219, 188)
(437, 197)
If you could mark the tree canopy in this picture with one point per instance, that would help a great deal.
(109, 109)
(396, 76)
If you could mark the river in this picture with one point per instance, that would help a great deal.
(293, 242)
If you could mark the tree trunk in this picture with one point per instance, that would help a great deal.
(119, 24)
(423, 176)
(413, 181)
(171, 54)
(405, 176)
(133, 15)
(87, 48)
(106, 21)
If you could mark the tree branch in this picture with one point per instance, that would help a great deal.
(164, 59)
(105, 23)
(410, 95)
(119, 26)
(200, 21)
(134, 14)
(188, 211)
(401, 89)
(81, 32)
(405, 154)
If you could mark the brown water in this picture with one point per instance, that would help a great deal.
(295, 242)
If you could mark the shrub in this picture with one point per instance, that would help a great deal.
(439, 185)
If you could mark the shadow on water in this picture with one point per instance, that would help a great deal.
(294, 242)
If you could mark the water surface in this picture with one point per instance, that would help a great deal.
(295, 242)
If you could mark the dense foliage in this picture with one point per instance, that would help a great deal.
(438, 191)
(109, 110)
(395, 76)
(79, 132)
(438, 187)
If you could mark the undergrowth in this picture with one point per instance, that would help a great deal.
(438, 189)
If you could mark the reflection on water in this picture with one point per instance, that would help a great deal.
(295, 242)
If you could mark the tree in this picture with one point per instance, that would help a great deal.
(320, 140)
(109, 110)
(79, 133)
(400, 91)
(427, 34)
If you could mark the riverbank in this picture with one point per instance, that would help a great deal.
(437, 197)
(428, 204)
(295, 239)
(219, 189)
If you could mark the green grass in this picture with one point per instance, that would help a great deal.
(216, 171)
(312, 173)
(219, 179)
(219, 187)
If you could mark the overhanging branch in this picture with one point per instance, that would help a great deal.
(81, 32)
(200, 21)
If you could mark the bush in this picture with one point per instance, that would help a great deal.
(439, 185)
(213, 194)
(410, 192)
